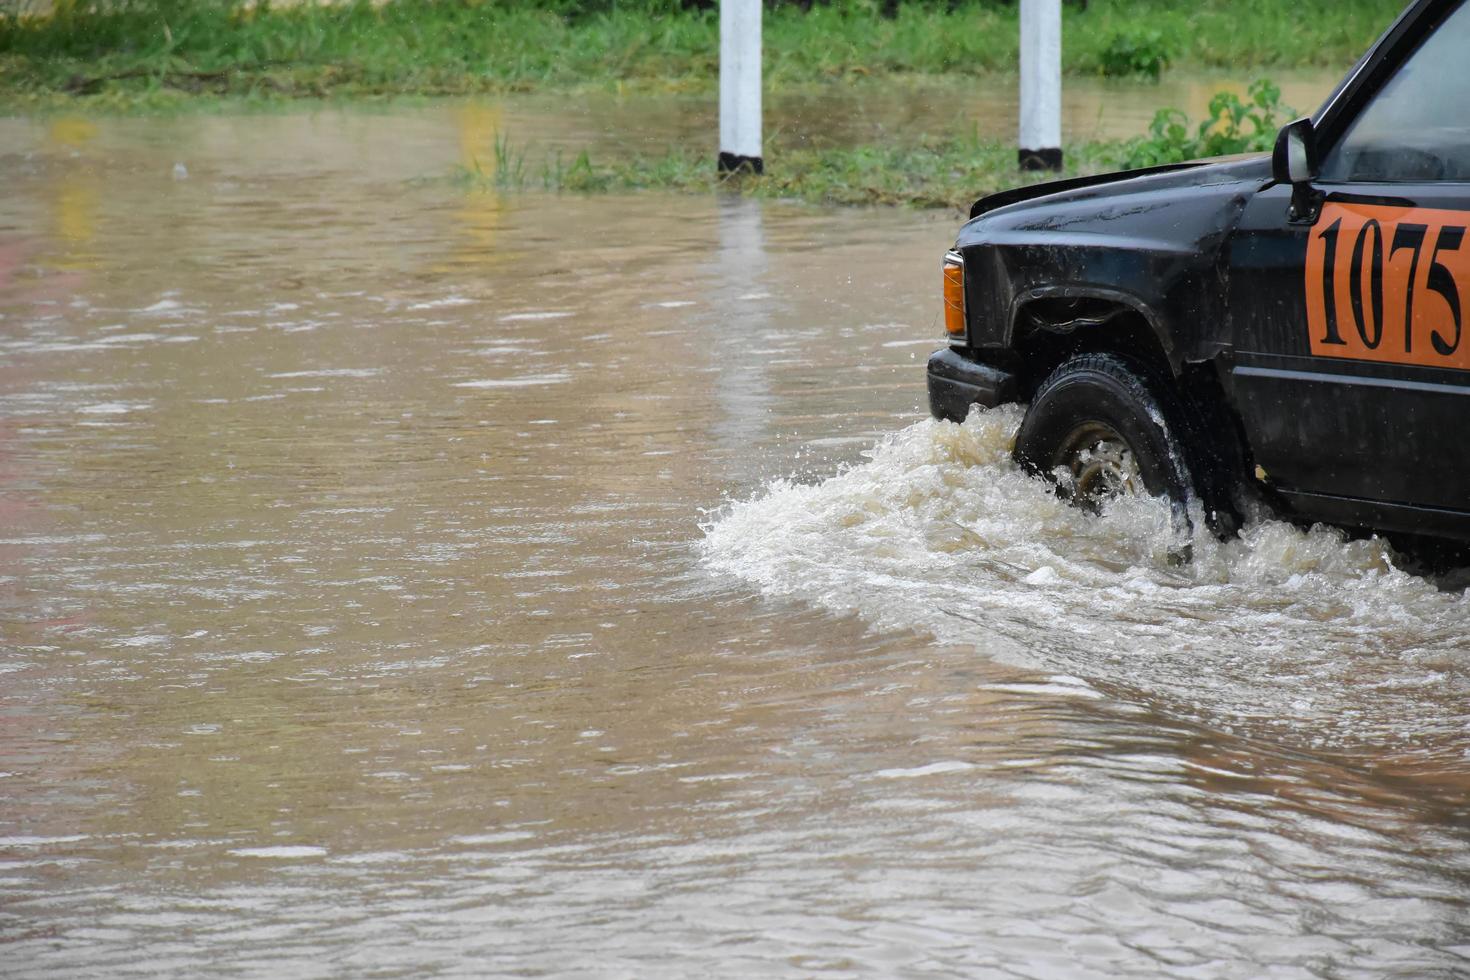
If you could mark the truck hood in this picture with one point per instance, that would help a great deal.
(1031, 192)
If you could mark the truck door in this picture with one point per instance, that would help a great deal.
(1352, 346)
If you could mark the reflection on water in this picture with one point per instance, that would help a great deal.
(76, 190)
(741, 386)
(357, 616)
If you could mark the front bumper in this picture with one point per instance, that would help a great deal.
(956, 383)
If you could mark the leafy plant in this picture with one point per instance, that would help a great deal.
(1233, 126)
(1135, 50)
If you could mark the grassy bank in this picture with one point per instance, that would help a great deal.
(949, 173)
(117, 51)
(935, 174)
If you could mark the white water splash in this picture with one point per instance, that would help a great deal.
(940, 532)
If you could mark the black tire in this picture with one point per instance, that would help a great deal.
(1089, 416)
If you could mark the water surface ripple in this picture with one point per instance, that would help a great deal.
(396, 581)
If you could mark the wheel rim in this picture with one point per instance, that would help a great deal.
(1101, 464)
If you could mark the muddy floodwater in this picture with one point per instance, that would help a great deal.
(400, 581)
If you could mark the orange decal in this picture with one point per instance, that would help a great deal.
(1390, 284)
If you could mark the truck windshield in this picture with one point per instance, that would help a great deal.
(1417, 128)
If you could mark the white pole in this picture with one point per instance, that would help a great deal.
(1041, 85)
(740, 86)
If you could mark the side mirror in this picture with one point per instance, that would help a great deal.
(1294, 160)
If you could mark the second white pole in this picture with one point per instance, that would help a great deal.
(1041, 85)
(740, 86)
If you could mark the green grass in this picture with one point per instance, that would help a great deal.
(111, 53)
(928, 173)
(949, 173)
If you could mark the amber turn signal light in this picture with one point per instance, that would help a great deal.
(954, 294)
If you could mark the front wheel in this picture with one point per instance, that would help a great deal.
(1106, 432)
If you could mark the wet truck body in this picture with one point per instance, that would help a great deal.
(1289, 326)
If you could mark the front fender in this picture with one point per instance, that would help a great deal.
(1152, 245)
(1095, 304)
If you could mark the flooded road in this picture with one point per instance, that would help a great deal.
(402, 582)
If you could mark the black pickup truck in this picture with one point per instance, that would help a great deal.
(1289, 327)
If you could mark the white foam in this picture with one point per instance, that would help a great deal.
(528, 381)
(504, 837)
(112, 408)
(939, 532)
(535, 315)
(281, 851)
(434, 304)
(330, 373)
(933, 769)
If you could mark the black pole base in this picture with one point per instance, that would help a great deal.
(734, 163)
(1048, 159)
